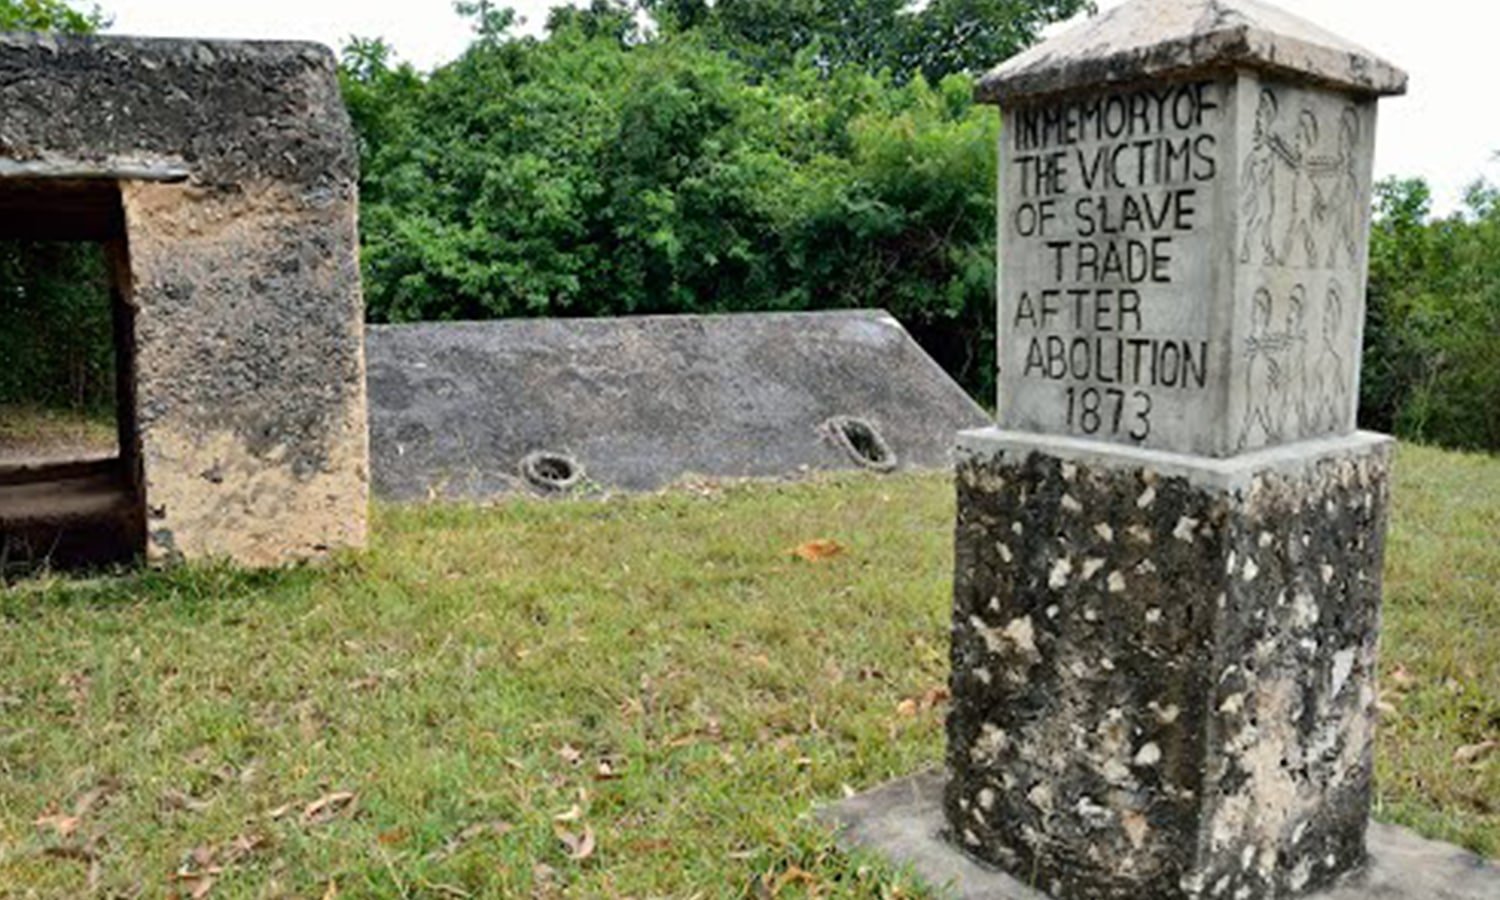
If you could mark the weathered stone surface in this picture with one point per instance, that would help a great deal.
(1166, 39)
(903, 821)
(1189, 279)
(639, 402)
(1163, 667)
(236, 169)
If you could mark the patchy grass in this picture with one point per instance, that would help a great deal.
(658, 681)
(35, 432)
(1441, 650)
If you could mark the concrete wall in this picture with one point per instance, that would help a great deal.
(238, 175)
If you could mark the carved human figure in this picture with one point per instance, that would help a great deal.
(1330, 387)
(1264, 375)
(1339, 213)
(1293, 353)
(1304, 193)
(1258, 195)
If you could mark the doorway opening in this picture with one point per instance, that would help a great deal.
(70, 473)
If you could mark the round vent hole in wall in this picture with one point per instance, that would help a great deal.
(863, 442)
(551, 471)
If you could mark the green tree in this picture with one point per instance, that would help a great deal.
(935, 39)
(604, 172)
(1432, 347)
(49, 15)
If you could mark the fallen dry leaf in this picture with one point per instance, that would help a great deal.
(332, 891)
(793, 875)
(569, 754)
(174, 799)
(650, 845)
(64, 826)
(498, 828)
(907, 707)
(572, 814)
(1473, 753)
(329, 807)
(580, 847)
(1401, 678)
(246, 845)
(818, 550)
(367, 683)
(201, 885)
(281, 811)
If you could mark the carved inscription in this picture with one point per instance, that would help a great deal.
(1109, 200)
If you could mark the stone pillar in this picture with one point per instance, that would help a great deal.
(1167, 591)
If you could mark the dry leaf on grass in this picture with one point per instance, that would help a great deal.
(569, 754)
(793, 875)
(329, 807)
(572, 814)
(1473, 753)
(173, 799)
(818, 550)
(499, 828)
(579, 846)
(64, 826)
(930, 699)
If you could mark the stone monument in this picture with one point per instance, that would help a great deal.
(1169, 551)
(1168, 575)
(222, 179)
(1167, 594)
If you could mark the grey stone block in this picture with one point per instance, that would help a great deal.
(1159, 39)
(903, 822)
(462, 410)
(222, 176)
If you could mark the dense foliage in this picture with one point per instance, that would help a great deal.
(48, 15)
(57, 340)
(1432, 341)
(734, 158)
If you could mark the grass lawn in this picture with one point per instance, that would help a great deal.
(636, 697)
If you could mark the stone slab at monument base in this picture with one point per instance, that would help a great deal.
(1163, 665)
(903, 822)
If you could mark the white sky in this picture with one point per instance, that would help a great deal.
(1446, 130)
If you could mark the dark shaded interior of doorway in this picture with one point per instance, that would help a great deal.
(71, 497)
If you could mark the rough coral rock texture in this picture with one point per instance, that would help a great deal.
(1161, 39)
(237, 171)
(1164, 679)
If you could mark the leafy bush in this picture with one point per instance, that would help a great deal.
(1432, 342)
(58, 337)
(597, 173)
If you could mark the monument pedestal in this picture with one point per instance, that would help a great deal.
(903, 822)
(1164, 665)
